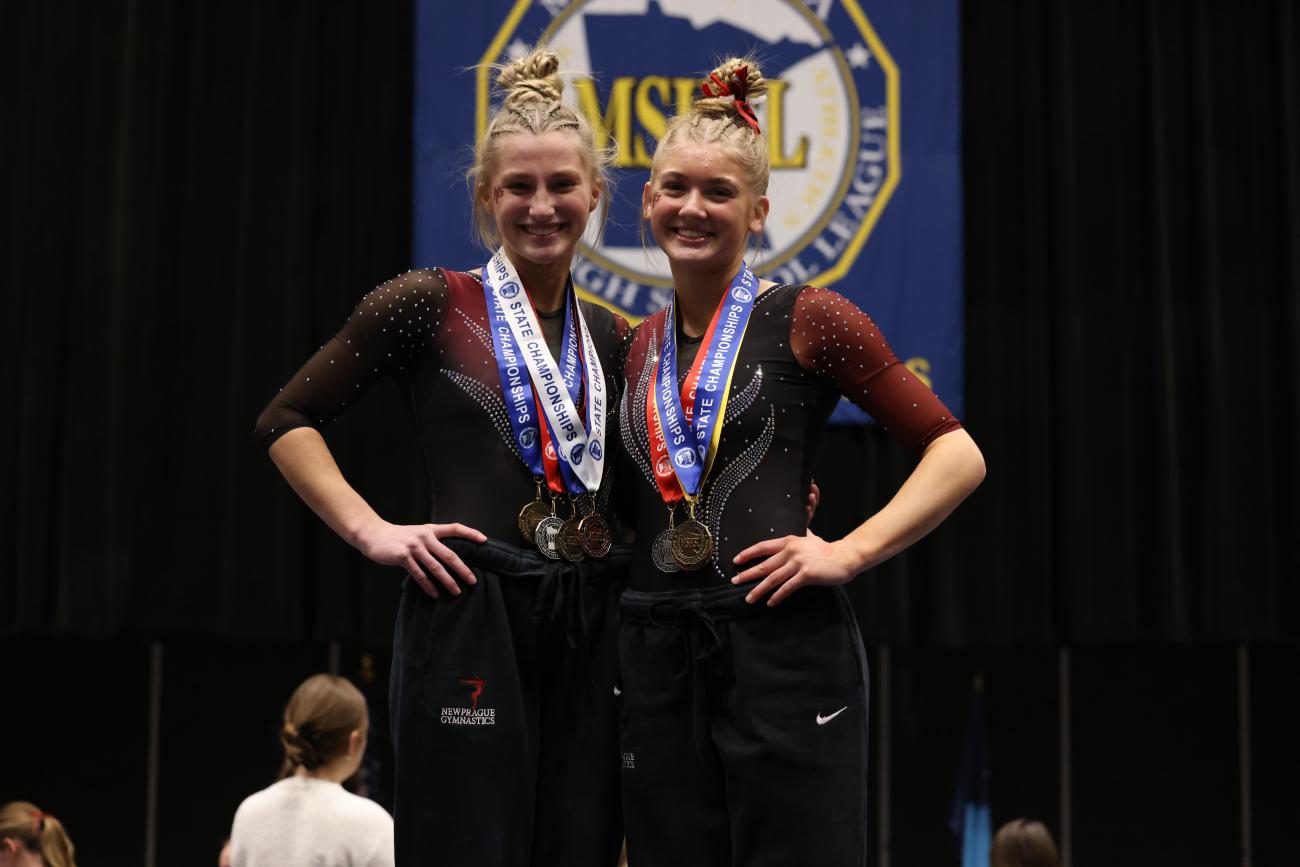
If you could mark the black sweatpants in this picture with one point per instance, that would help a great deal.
(504, 716)
(744, 729)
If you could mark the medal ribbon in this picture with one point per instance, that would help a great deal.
(670, 488)
(686, 425)
(527, 370)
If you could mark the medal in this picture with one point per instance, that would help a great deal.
(692, 543)
(662, 549)
(533, 514)
(594, 535)
(548, 530)
(662, 552)
(567, 541)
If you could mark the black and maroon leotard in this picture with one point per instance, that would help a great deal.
(804, 348)
(428, 330)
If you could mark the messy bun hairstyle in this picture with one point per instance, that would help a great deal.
(533, 89)
(37, 832)
(722, 114)
(320, 718)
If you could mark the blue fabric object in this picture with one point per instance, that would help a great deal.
(971, 820)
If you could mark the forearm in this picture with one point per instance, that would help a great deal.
(307, 465)
(949, 470)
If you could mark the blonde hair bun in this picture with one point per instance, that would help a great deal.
(534, 77)
(740, 77)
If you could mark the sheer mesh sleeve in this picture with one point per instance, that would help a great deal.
(392, 326)
(623, 331)
(831, 337)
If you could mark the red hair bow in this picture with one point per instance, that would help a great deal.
(736, 91)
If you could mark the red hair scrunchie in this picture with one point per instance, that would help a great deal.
(738, 93)
(38, 821)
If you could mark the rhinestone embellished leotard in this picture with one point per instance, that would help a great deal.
(803, 349)
(430, 335)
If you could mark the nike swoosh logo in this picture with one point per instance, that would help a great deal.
(617, 691)
(822, 720)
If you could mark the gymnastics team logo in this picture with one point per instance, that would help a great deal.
(831, 120)
(472, 715)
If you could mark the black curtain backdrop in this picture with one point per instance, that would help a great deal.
(196, 193)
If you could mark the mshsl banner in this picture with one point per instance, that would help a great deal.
(862, 120)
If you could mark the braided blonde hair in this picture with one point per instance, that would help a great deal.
(720, 120)
(533, 89)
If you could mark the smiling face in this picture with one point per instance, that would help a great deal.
(540, 196)
(701, 208)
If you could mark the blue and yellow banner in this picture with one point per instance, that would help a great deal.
(862, 119)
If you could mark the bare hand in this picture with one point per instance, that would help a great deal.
(418, 549)
(792, 562)
(814, 497)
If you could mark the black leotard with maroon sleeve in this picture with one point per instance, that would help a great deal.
(804, 348)
(428, 331)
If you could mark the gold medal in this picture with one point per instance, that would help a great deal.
(567, 542)
(533, 514)
(692, 542)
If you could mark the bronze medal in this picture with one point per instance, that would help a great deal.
(662, 552)
(692, 544)
(567, 541)
(594, 535)
(548, 531)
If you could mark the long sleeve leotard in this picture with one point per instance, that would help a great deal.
(804, 348)
(428, 331)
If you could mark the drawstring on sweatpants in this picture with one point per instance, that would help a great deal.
(702, 644)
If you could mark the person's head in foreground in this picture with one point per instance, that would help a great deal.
(30, 837)
(1023, 843)
(325, 729)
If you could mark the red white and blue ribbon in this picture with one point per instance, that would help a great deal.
(542, 397)
(686, 424)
